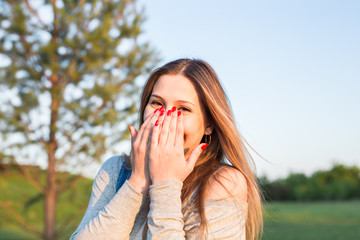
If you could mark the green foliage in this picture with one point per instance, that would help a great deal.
(339, 183)
(85, 57)
(69, 92)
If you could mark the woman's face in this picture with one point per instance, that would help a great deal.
(177, 90)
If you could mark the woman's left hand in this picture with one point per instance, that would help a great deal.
(166, 158)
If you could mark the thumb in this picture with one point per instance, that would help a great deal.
(133, 133)
(195, 155)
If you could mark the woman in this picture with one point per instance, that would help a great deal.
(180, 186)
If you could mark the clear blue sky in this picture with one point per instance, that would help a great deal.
(291, 70)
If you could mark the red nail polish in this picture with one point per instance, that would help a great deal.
(204, 146)
(156, 110)
(156, 123)
(173, 109)
(162, 109)
(162, 113)
(179, 113)
(169, 112)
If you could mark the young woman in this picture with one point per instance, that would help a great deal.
(188, 172)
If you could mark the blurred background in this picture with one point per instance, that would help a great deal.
(71, 73)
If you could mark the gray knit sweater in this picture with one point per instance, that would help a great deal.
(127, 214)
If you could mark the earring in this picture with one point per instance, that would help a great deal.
(208, 139)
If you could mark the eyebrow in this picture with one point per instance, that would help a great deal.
(179, 101)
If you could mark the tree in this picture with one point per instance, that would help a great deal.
(69, 84)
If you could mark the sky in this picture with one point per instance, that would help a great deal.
(291, 70)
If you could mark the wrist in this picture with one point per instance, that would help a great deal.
(164, 179)
(139, 185)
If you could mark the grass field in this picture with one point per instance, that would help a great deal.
(23, 199)
(307, 221)
(291, 221)
(283, 221)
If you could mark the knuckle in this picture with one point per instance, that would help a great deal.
(148, 127)
(136, 145)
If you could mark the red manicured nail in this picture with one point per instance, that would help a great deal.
(162, 109)
(173, 109)
(204, 146)
(156, 123)
(169, 112)
(156, 110)
(162, 113)
(179, 113)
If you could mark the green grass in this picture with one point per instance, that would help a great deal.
(283, 221)
(316, 220)
(27, 202)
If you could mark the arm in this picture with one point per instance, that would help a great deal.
(109, 215)
(225, 209)
(165, 219)
(226, 220)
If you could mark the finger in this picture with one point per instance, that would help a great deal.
(179, 141)
(195, 155)
(146, 128)
(165, 128)
(133, 134)
(157, 129)
(172, 127)
(147, 120)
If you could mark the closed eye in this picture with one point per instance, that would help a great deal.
(184, 109)
(156, 103)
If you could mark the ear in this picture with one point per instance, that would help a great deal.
(208, 130)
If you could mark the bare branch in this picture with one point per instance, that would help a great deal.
(28, 131)
(24, 170)
(18, 219)
(69, 184)
(34, 12)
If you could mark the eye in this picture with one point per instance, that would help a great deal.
(156, 103)
(184, 109)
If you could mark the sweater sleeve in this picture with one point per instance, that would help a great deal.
(226, 220)
(226, 217)
(110, 214)
(165, 219)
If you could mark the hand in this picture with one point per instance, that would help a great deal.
(166, 159)
(139, 156)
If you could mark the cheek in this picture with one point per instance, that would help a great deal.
(147, 112)
(193, 131)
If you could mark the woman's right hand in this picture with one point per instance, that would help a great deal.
(139, 156)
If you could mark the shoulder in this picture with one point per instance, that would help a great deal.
(227, 182)
(113, 163)
(110, 168)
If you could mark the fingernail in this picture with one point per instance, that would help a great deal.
(179, 113)
(169, 112)
(156, 123)
(156, 110)
(129, 129)
(204, 146)
(162, 109)
(173, 109)
(162, 113)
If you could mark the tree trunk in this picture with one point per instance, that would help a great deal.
(51, 191)
(50, 198)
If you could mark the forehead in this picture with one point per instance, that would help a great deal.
(175, 87)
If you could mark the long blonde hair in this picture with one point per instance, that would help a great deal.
(226, 142)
